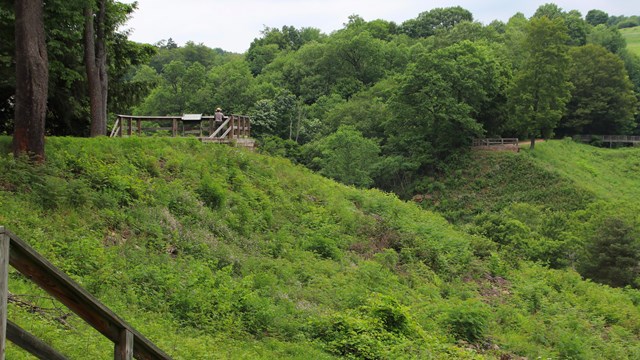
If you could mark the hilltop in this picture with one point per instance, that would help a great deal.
(216, 252)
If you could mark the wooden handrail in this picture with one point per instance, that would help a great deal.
(495, 141)
(235, 126)
(128, 342)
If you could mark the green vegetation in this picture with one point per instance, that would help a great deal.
(419, 90)
(565, 205)
(215, 252)
(632, 37)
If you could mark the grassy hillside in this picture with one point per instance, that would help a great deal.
(610, 175)
(214, 252)
(632, 36)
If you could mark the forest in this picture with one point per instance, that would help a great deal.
(311, 247)
(398, 100)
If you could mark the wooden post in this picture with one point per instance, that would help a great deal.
(174, 127)
(231, 134)
(120, 126)
(248, 127)
(139, 125)
(244, 126)
(124, 346)
(4, 289)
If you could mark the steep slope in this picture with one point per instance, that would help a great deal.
(215, 252)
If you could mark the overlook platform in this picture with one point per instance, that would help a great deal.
(234, 130)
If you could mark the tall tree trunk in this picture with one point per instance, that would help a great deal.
(32, 79)
(95, 58)
(533, 142)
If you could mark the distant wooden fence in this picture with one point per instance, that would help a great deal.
(611, 139)
(204, 127)
(129, 343)
(494, 142)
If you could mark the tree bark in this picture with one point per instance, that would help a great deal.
(95, 58)
(533, 142)
(32, 80)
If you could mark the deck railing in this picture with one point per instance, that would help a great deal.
(494, 142)
(128, 343)
(234, 126)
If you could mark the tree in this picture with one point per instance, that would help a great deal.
(602, 96)
(101, 20)
(577, 27)
(596, 17)
(32, 78)
(428, 22)
(540, 90)
(346, 156)
(435, 104)
(608, 37)
(95, 60)
(613, 253)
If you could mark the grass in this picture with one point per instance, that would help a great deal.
(632, 36)
(609, 174)
(218, 253)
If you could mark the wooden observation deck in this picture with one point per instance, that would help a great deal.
(234, 130)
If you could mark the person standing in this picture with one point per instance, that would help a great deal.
(219, 115)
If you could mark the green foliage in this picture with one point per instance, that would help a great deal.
(602, 97)
(345, 156)
(429, 22)
(540, 88)
(612, 251)
(467, 320)
(233, 254)
(596, 17)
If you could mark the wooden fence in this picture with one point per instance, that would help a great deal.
(204, 127)
(611, 139)
(129, 343)
(494, 142)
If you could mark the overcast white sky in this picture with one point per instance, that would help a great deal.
(233, 24)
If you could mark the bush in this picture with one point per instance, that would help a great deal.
(211, 193)
(467, 320)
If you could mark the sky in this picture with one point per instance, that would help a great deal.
(233, 24)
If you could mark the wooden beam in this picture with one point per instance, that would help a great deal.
(124, 347)
(39, 270)
(4, 288)
(32, 344)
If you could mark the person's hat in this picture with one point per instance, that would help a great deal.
(218, 109)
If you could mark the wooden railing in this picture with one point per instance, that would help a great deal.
(129, 343)
(234, 127)
(494, 142)
(628, 139)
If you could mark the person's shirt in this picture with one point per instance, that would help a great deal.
(219, 116)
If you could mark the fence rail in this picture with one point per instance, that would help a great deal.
(609, 138)
(128, 343)
(494, 142)
(205, 127)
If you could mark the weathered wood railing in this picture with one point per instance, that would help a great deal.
(205, 127)
(627, 139)
(129, 343)
(494, 142)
